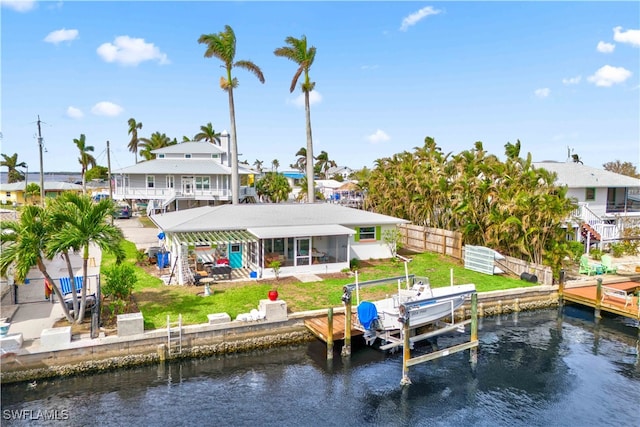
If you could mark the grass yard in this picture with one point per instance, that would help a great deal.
(156, 300)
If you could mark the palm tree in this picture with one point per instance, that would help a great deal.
(301, 161)
(208, 134)
(23, 246)
(11, 162)
(258, 164)
(158, 140)
(223, 46)
(275, 164)
(81, 222)
(298, 52)
(323, 163)
(133, 131)
(86, 160)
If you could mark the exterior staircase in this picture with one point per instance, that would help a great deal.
(587, 231)
(593, 228)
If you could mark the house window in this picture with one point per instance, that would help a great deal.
(151, 181)
(8, 194)
(367, 233)
(170, 181)
(590, 195)
(161, 156)
(187, 156)
(203, 183)
(215, 156)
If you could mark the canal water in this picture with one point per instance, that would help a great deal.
(534, 369)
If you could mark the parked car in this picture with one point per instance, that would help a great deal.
(123, 212)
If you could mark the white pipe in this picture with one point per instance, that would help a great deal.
(452, 277)
(406, 273)
(357, 290)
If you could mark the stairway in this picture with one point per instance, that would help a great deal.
(174, 335)
(587, 230)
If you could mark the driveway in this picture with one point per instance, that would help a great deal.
(134, 231)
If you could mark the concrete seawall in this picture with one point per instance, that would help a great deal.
(88, 356)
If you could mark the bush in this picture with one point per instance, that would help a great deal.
(577, 249)
(119, 281)
(354, 264)
(617, 249)
(596, 254)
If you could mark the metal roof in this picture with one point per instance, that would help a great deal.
(223, 236)
(193, 147)
(245, 216)
(299, 231)
(576, 175)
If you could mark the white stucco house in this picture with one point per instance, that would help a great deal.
(183, 176)
(304, 238)
(606, 200)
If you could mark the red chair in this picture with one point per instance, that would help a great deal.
(222, 261)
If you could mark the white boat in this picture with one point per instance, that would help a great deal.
(417, 306)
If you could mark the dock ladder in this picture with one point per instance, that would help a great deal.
(174, 335)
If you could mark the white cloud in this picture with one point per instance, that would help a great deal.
(377, 137)
(630, 36)
(129, 51)
(572, 80)
(608, 76)
(106, 108)
(370, 67)
(314, 98)
(418, 16)
(19, 5)
(74, 113)
(543, 92)
(604, 47)
(62, 35)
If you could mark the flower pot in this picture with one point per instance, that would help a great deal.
(273, 295)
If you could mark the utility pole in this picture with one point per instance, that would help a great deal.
(109, 176)
(41, 168)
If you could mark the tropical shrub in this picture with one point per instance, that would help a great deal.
(596, 254)
(119, 281)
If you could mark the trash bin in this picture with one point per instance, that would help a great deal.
(527, 277)
(253, 274)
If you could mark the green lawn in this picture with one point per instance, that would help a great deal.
(156, 300)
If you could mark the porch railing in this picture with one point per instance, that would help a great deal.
(585, 215)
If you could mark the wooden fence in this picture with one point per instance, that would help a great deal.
(420, 239)
(517, 266)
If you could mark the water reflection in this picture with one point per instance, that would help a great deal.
(533, 369)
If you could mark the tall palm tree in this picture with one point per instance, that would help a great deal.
(207, 133)
(258, 164)
(275, 164)
(301, 160)
(86, 160)
(135, 141)
(24, 247)
(298, 52)
(82, 222)
(323, 163)
(223, 46)
(157, 140)
(11, 162)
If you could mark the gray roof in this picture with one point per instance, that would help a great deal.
(48, 186)
(246, 216)
(576, 175)
(182, 166)
(192, 147)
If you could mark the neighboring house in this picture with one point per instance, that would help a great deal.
(15, 192)
(304, 238)
(344, 171)
(182, 176)
(327, 187)
(605, 199)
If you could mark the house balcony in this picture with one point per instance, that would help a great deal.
(167, 194)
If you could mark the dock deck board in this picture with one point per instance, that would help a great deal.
(319, 326)
(586, 295)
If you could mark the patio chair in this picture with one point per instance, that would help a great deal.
(587, 267)
(607, 264)
(65, 284)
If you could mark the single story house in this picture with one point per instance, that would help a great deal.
(605, 199)
(15, 193)
(303, 238)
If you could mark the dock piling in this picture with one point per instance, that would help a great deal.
(598, 301)
(406, 354)
(474, 329)
(330, 334)
(346, 298)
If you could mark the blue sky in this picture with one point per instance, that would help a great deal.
(555, 75)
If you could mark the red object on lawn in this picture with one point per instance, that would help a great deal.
(273, 295)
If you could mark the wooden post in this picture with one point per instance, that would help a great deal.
(346, 349)
(474, 330)
(444, 243)
(330, 334)
(406, 354)
(561, 288)
(598, 299)
(162, 352)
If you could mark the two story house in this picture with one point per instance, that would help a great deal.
(182, 176)
(607, 201)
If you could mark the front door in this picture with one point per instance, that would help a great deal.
(187, 185)
(303, 253)
(235, 255)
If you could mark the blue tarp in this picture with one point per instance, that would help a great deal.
(367, 313)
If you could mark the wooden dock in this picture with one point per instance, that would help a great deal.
(586, 295)
(319, 326)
